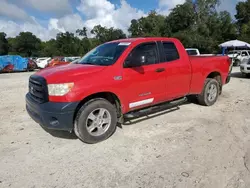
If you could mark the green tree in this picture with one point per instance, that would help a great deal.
(4, 48)
(49, 49)
(152, 25)
(26, 44)
(82, 32)
(104, 34)
(67, 44)
(243, 20)
(204, 29)
(182, 17)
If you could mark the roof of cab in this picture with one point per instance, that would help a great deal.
(140, 39)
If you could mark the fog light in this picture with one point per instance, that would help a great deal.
(54, 122)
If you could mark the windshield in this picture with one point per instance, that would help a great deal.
(192, 52)
(105, 54)
(233, 52)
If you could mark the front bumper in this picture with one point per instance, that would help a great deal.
(228, 79)
(52, 115)
(245, 69)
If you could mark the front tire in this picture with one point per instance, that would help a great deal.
(237, 62)
(210, 92)
(95, 121)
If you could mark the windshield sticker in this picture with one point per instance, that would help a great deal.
(124, 43)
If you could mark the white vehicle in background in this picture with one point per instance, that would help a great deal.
(238, 56)
(245, 68)
(192, 51)
(70, 59)
(42, 62)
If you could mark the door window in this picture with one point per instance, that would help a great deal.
(244, 54)
(145, 54)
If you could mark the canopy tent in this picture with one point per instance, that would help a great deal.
(235, 44)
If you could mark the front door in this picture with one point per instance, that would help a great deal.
(146, 84)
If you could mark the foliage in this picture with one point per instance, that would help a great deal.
(243, 20)
(26, 44)
(104, 34)
(152, 25)
(4, 48)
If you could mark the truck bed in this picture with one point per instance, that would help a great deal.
(200, 67)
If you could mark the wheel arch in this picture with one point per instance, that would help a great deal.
(109, 96)
(217, 76)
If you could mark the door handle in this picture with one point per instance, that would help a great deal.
(160, 70)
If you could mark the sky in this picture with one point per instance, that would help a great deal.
(45, 18)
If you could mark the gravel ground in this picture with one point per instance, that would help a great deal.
(191, 146)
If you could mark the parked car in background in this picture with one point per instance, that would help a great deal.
(57, 61)
(122, 79)
(192, 51)
(245, 68)
(61, 61)
(32, 65)
(76, 60)
(42, 62)
(16, 63)
(238, 56)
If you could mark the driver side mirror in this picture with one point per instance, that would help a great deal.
(135, 62)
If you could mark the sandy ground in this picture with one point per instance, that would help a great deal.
(193, 146)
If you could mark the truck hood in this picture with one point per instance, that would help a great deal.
(68, 72)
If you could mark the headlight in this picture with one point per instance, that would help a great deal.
(59, 89)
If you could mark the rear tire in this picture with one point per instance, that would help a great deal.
(210, 92)
(95, 121)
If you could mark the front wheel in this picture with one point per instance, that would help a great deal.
(210, 92)
(95, 121)
(237, 63)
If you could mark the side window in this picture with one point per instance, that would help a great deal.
(244, 54)
(170, 50)
(145, 53)
(191, 52)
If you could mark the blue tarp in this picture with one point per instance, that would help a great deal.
(20, 63)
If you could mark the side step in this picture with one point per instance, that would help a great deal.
(154, 109)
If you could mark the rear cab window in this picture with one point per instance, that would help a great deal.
(192, 52)
(170, 52)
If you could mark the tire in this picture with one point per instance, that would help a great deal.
(248, 75)
(204, 98)
(91, 125)
(237, 62)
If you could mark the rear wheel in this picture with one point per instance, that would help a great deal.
(210, 92)
(95, 121)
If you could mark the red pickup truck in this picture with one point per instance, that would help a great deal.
(122, 79)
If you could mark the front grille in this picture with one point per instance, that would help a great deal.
(38, 89)
(248, 68)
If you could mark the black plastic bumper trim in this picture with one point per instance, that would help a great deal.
(52, 115)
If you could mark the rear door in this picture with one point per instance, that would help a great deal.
(178, 70)
(144, 85)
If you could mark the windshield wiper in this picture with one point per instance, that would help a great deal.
(87, 63)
